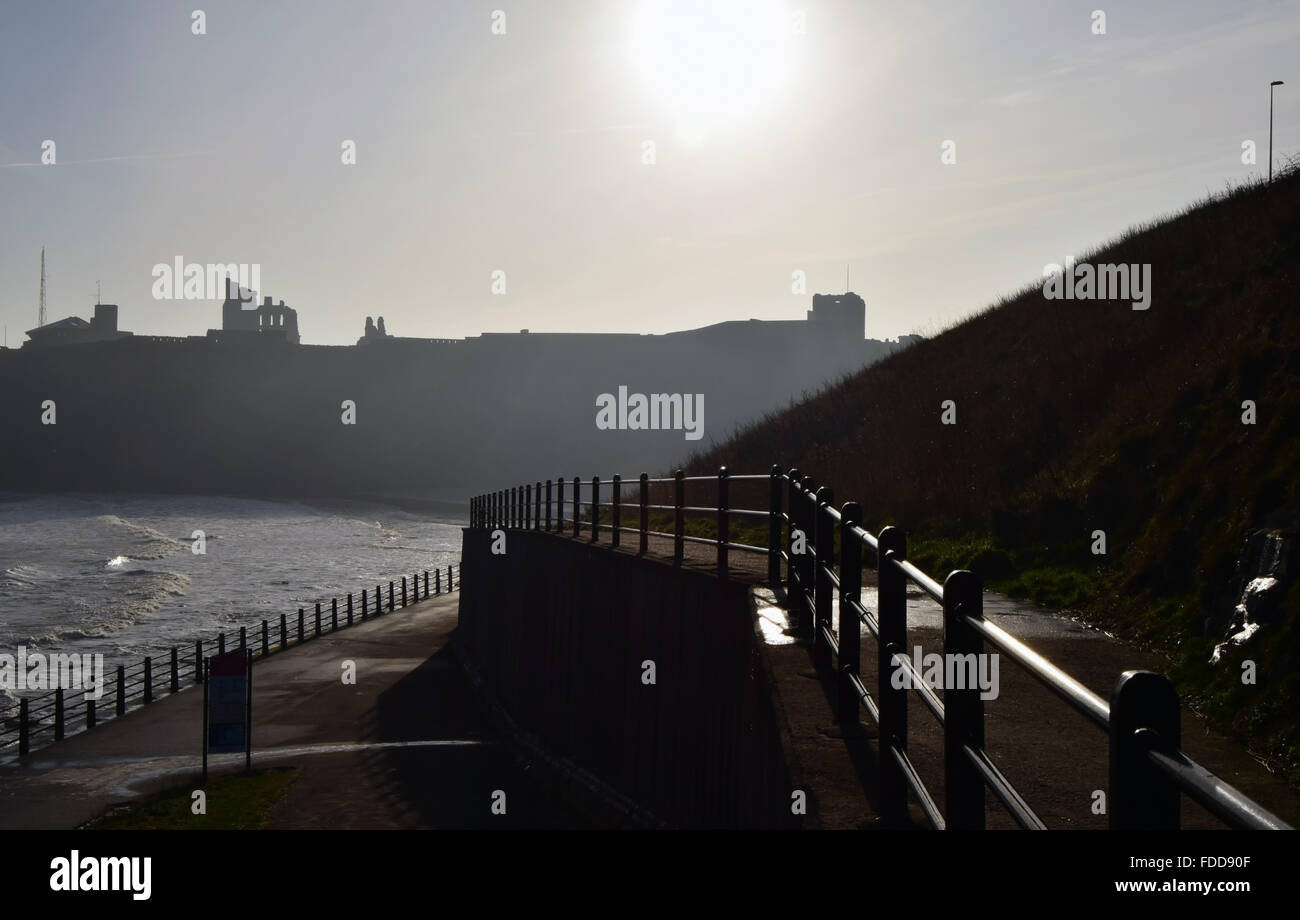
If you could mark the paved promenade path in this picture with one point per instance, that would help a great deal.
(406, 746)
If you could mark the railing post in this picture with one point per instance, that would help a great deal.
(724, 523)
(221, 643)
(148, 679)
(392, 605)
(449, 578)
(318, 619)
(850, 663)
(58, 712)
(577, 506)
(774, 530)
(437, 581)
(807, 594)
(24, 728)
(514, 507)
(823, 603)
(334, 614)
(198, 658)
(679, 516)
(548, 505)
(537, 506)
(426, 586)
(559, 505)
(528, 507)
(792, 565)
(284, 638)
(121, 690)
(892, 616)
(90, 714)
(243, 638)
(426, 591)
(301, 630)
(176, 671)
(644, 523)
(364, 603)
(1144, 714)
(266, 639)
(595, 509)
(403, 590)
(963, 707)
(617, 519)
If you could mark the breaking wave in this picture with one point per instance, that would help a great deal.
(149, 544)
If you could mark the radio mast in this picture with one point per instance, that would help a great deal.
(40, 319)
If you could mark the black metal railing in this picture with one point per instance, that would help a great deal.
(32, 722)
(1148, 772)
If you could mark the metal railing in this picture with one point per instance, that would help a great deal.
(32, 722)
(1148, 772)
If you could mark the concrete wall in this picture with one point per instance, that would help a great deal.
(559, 630)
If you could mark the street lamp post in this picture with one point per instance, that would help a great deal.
(1270, 128)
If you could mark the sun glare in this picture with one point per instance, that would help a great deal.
(711, 62)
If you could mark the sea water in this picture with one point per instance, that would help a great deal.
(116, 574)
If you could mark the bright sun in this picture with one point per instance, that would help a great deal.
(711, 62)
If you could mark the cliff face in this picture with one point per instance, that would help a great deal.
(266, 418)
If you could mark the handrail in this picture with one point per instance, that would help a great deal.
(803, 522)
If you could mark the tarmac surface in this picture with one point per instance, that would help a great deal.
(405, 747)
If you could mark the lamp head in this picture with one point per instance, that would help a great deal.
(1276, 83)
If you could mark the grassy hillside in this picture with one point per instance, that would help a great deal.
(1075, 416)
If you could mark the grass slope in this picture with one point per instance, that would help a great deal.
(1075, 416)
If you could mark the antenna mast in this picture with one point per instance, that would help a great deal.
(40, 318)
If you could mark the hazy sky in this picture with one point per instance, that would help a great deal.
(777, 148)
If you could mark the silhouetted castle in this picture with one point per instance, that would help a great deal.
(272, 320)
(836, 324)
(445, 413)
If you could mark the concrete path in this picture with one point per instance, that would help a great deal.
(406, 746)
